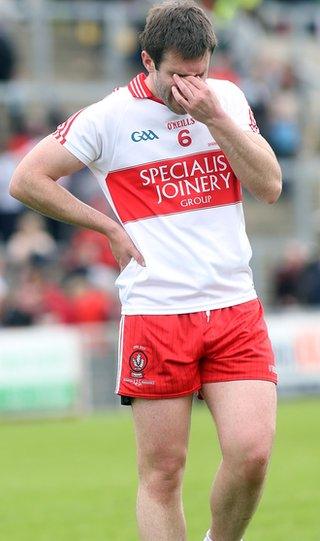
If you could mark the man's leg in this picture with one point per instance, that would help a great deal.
(162, 431)
(244, 413)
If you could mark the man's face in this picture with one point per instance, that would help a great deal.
(162, 78)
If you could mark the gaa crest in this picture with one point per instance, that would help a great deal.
(138, 362)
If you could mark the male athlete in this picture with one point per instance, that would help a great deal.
(172, 151)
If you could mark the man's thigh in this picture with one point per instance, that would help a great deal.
(162, 432)
(245, 415)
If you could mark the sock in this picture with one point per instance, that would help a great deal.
(208, 538)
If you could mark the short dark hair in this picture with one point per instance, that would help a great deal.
(180, 26)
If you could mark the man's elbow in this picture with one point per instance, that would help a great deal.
(274, 194)
(15, 186)
(275, 189)
(18, 186)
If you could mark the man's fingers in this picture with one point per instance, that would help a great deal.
(124, 262)
(179, 98)
(196, 82)
(139, 258)
(184, 87)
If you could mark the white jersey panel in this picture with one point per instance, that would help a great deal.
(198, 256)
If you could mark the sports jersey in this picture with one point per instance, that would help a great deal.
(174, 192)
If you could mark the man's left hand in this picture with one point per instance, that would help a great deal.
(197, 99)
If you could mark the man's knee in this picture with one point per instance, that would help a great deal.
(250, 459)
(161, 473)
(254, 465)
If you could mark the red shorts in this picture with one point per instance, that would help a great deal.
(167, 356)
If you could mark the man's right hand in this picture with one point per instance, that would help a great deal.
(123, 248)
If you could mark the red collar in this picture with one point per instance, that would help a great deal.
(139, 89)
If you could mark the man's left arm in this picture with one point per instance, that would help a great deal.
(251, 157)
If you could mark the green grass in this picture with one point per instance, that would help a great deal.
(75, 480)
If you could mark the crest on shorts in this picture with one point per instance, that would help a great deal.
(138, 362)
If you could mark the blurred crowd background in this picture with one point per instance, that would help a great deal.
(57, 56)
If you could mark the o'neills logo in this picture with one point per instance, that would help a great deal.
(176, 124)
(201, 175)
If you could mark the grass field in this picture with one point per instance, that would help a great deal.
(75, 480)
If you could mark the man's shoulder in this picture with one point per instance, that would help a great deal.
(108, 109)
(230, 96)
(114, 100)
(223, 86)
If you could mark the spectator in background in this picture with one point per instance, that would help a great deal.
(18, 305)
(310, 282)
(89, 252)
(256, 88)
(90, 248)
(224, 67)
(88, 304)
(17, 143)
(284, 131)
(30, 239)
(288, 276)
(7, 57)
(34, 297)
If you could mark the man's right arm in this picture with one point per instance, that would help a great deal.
(34, 184)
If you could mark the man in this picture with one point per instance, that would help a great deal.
(171, 152)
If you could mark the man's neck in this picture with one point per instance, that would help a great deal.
(149, 83)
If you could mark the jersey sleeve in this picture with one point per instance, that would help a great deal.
(80, 135)
(240, 110)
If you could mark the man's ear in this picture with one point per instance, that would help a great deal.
(147, 62)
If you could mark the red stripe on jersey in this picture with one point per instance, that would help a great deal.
(134, 89)
(139, 89)
(143, 88)
(62, 129)
(253, 125)
(174, 185)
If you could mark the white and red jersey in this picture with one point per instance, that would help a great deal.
(176, 195)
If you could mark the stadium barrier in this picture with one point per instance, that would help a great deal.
(57, 370)
(64, 371)
(296, 343)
